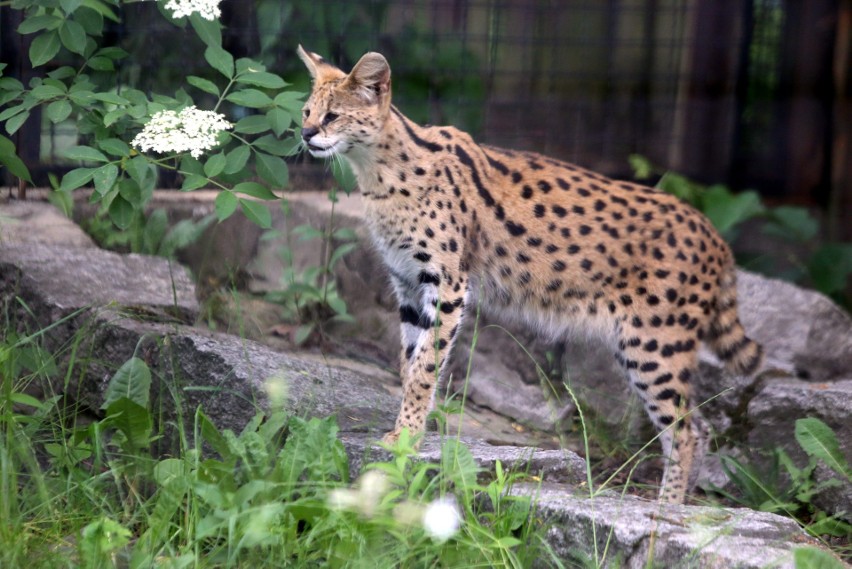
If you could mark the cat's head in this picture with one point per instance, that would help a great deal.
(345, 112)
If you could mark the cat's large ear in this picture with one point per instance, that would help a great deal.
(318, 67)
(371, 78)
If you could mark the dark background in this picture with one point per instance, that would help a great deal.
(749, 93)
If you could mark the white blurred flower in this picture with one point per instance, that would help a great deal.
(276, 390)
(442, 519)
(371, 487)
(191, 130)
(207, 9)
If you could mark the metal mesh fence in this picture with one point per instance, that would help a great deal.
(695, 86)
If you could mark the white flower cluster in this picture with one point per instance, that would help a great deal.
(191, 130)
(441, 519)
(208, 9)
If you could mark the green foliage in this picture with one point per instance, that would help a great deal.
(81, 86)
(147, 234)
(780, 486)
(275, 494)
(309, 297)
(827, 266)
(813, 558)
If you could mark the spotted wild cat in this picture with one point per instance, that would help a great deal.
(550, 243)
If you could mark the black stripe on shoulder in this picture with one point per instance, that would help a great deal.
(430, 146)
(497, 165)
(474, 173)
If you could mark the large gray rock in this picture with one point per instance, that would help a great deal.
(627, 532)
(64, 279)
(39, 222)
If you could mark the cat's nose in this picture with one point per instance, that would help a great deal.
(308, 133)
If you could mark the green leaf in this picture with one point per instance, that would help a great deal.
(132, 380)
(250, 98)
(58, 111)
(726, 209)
(209, 31)
(262, 79)
(344, 175)
(99, 539)
(255, 190)
(111, 98)
(226, 204)
(82, 96)
(10, 159)
(92, 21)
(641, 166)
(292, 101)
(237, 159)
(44, 92)
(114, 147)
(85, 154)
(44, 48)
(99, 63)
(256, 212)
(132, 420)
(203, 84)
(252, 124)
(114, 116)
(813, 558)
(214, 165)
(76, 178)
(105, 177)
(279, 119)
(220, 60)
(112, 52)
(193, 182)
(101, 8)
(70, 6)
(73, 36)
(796, 223)
(818, 440)
(272, 145)
(12, 111)
(14, 123)
(272, 169)
(121, 212)
(41, 22)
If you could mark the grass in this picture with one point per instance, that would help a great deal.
(120, 491)
(136, 487)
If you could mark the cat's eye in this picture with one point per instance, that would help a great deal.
(328, 118)
(306, 113)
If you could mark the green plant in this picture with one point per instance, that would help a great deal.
(800, 256)
(310, 297)
(138, 486)
(148, 234)
(778, 485)
(84, 84)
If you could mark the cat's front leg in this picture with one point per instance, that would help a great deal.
(430, 324)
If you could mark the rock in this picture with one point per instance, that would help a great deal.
(627, 532)
(39, 222)
(66, 279)
(233, 379)
(552, 465)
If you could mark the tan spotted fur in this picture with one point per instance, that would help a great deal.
(552, 244)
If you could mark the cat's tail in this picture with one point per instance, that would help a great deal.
(727, 338)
